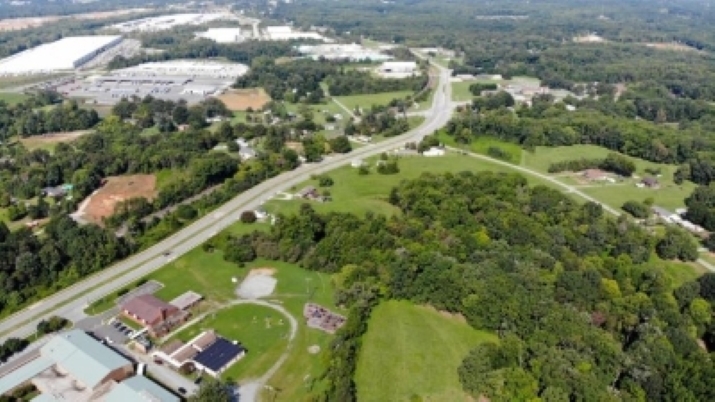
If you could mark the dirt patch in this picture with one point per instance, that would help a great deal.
(116, 189)
(453, 316)
(242, 99)
(41, 141)
(294, 145)
(261, 271)
(313, 349)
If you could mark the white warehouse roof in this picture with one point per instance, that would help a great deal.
(64, 54)
(223, 35)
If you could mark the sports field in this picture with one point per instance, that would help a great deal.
(412, 353)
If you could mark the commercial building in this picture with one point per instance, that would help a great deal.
(139, 388)
(156, 315)
(399, 67)
(351, 52)
(287, 33)
(73, 366)
(65, 54)
(153, 24)
(223, 35)
(207, 352)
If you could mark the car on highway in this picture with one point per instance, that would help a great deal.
(167, 253)
(182, 390)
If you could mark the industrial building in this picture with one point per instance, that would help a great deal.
(153, 24)
(223, 35)
(351, 52)
(73, 366)
(287, 33)
(192, 81)
(398, 69)
(65, 54)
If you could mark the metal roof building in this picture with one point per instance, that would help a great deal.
(223, 35)
(65, 54)
(139, 388)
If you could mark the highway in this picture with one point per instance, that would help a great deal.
(70, 302)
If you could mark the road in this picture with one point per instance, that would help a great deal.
(70, 302)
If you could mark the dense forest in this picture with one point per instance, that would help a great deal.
(582, 310)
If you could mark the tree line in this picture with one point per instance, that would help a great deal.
(581, 307)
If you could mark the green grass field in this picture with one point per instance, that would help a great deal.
(367, 101)
(669, 195)
(481, 146)
(360, 194)
(12, 98)
(460, 91)
(261, 330)
(412, 352)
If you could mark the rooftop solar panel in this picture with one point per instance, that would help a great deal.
(219, 354)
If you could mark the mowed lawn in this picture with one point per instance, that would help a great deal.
(413, 351)
(461, 92)
(359, 194)
(365, 102)
(12, 98)
(669, 195)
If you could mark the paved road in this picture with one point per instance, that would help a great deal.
(70, 302)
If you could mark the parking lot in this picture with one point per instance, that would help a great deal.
(106, 326)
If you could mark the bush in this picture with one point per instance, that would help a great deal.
(122, 292)
(389, 167)
(498, 153)
(325, 181)
(248, 217)
(141, 282)
(636, 209)
(363, 170)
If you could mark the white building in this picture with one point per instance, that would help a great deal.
(401, 67)
(434, 151)
(160, 23)
(287, 33)
(223, 35)
(65, 54)
(351, 52)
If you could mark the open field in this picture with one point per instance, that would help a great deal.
(365, 102)
(481, 146)
(360, 194)
(677, 271)
(460, 91)
(261, 330)
(116, 189)
(16, 81)
(50, 141)
(242, 99)
(669, 195)
(412, 353)
(12, 98)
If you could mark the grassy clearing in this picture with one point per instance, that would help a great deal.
(12, 98)
(360, 194)
(461, 92)
(482, 144)
(669, 195)
(678, 272)
(261, 330)
(367, 101)
(49, 142)
(412, 353)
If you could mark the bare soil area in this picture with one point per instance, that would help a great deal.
(117, 189)
(672, 46)
(46, 140)
(242, 99)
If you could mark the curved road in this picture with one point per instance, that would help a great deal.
(70, 302)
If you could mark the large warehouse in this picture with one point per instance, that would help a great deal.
(65, 54)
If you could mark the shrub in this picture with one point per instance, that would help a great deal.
(122, 292)
(248, 217)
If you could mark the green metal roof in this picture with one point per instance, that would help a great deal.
(139, 388)
(87, 360)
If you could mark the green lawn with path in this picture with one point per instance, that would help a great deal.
(261, 330)
(12, 98)
(412, 353)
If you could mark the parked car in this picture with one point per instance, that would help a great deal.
(182, 390)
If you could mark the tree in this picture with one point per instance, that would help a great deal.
(180, 115)
(637, 209)
(677, 244)
(341, 144)
(325, 181)
(248, 217)
(212, 390)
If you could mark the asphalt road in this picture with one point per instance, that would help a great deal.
(70, 302)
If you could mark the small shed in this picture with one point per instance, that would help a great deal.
(186, 300)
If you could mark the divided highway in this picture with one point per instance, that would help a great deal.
(71, 302)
